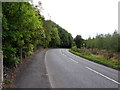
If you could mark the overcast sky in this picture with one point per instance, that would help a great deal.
(83, 17)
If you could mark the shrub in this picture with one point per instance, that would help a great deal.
(7, 82)
(74, 47)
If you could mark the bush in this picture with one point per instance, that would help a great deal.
(74, 47)
(10, 58)
(8, 82)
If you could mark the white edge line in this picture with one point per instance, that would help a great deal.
(47, 71)
(103, 75)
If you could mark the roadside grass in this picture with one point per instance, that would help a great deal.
(108, 63)
(8, 82)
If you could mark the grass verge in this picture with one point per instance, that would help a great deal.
(98, 60)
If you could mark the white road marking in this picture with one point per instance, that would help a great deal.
(64, 55)
(103, 75)
(79, 57)
(73, 60)
(70, 58)
(61, 51)
(49, 76)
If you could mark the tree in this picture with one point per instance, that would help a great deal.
(25, 30)
(21, 25)
(107, 41)
(79, 41)
(66, 38)
(55, 39)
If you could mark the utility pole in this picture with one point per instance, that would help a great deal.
(119, 34)
(1, 53)
(1, 69)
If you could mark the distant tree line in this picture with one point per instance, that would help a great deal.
(25, 30)
(107, 41)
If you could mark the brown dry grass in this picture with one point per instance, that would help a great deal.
(103, 54)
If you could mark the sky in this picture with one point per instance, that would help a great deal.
(83, 17)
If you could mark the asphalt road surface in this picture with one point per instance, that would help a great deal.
(34, 74)
(58, 68)
(66, 70)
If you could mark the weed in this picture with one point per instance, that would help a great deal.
(8, 82)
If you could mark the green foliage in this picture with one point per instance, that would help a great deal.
(56, 36)
(21, 28)
(74, 47)
(79, 41)
(108, 42)
(8, 82)
(10, 57)
(66, 38)
(55, 39)
(52, 37)
(25, 30)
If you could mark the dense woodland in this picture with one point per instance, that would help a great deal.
(25, 30)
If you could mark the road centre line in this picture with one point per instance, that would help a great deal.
(79, 57)
(102, 75)
(64, 55)
(61, 51)
(73, 60)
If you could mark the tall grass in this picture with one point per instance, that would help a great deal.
(105, 62)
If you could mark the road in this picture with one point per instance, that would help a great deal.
(66, 70)
(34, 74)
